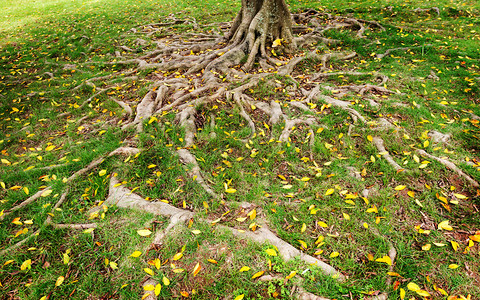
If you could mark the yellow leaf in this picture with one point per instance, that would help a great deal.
(178, 256)
(400, 187)
(422, 292)
(113, 265)
(305, 179)
(372, 209)
(303, 244)
(365, 225)
(177, 271)
(144, 232)
(258, 274)
(196, 231)
(102, 172)
(425, 144)
(46, 193)
(25, 190)
(252, 214)
(184, 294)
(29, 222)
(276, 43)
(149, 271)
(304, 227)
(148, 287)
(393, 274)
(287, 186)
(196, 269)
(271, 252)
(212, 261)
(165, 281)
(346, 216)
(334, 254)
(59, 280)
(25, 265)
(322, 224)
(320, 239)
(136, 254)
(88, 230)
(386, 259)
(241, 219)
(239, 297)
(50, 148)
(453, 266)
(158, 289)
(289, 276)
(230, 191)
(460, 196)
(454, 245)
(151, 166)
(369, 138)
(5, 161)
(152, 119)
(413, 286)
(444, 225)
(402, 294)
(244, 269)
(329, 192)
(426, 247)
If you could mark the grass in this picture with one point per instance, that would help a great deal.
(308, 195)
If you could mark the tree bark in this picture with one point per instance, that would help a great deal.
(259, 23)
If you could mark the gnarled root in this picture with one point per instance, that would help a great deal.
(378, 142)
(450, 166)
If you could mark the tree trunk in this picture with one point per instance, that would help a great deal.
(258, 24)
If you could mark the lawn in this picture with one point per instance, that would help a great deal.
(372, 168)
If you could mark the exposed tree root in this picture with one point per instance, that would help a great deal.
(378, 142)
(343, 105)
(450, 166)
(74, 226)
(25, 202)
(190, 161)
(123, 197)
(48, 168)
(286, 250)
(18, 244)
(435, 9)
(382, 55)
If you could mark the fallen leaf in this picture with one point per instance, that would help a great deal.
(271, 252)
(196, 269)
(149, 271)
(453, 266)
(258, 274)
(386, 259)
(444, 225)
(136, 254)
(59, 280)
(178, 256)
(165, 281)
(158, 289)
(144, 232)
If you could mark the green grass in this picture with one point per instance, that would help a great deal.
(308, 195)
